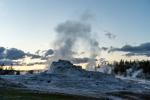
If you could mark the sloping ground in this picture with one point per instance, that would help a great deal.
(66, 78)
(7, 83)
(130, 95)
(23, 94)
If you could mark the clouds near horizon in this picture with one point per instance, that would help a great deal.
(140, 50)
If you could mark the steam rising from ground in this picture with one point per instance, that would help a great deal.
(68, 34)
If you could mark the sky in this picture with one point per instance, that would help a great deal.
(29, 25)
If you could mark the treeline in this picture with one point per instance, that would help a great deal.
(11, 71)
(8, 71)
(123, 67)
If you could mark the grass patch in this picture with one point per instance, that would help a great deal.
(131, 95)
(21, 94)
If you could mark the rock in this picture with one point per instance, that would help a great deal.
(66, 68)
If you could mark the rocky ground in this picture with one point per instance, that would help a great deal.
(66, 78)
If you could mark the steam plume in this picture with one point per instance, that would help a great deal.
(68, 34)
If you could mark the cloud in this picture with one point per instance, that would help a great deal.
(104, 48)
(33, 56)
(14, 54)
(110, 35)
(49, 52)
(6, 62)
(2, 49)
(11, 54)
(42, 54)
(142, 49)
(38, 52)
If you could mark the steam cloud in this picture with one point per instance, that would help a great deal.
(110, 35)
(68, 34)
(82, 60)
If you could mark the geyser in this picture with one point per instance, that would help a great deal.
(68, 34)
(66, 68)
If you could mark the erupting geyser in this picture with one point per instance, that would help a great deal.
(68, 34)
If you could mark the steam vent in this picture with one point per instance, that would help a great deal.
(65, 67)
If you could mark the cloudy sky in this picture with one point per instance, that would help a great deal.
(123, 25)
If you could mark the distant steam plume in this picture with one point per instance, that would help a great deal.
(110, 35)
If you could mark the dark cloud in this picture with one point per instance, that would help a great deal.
(33, 56)
(49, 52)
(104, 48)
(11, 54)
(6, 62)
(130, 54)
(110, 35)
(142, 49)
(38, 52)
(2, 49)
(14, 54)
